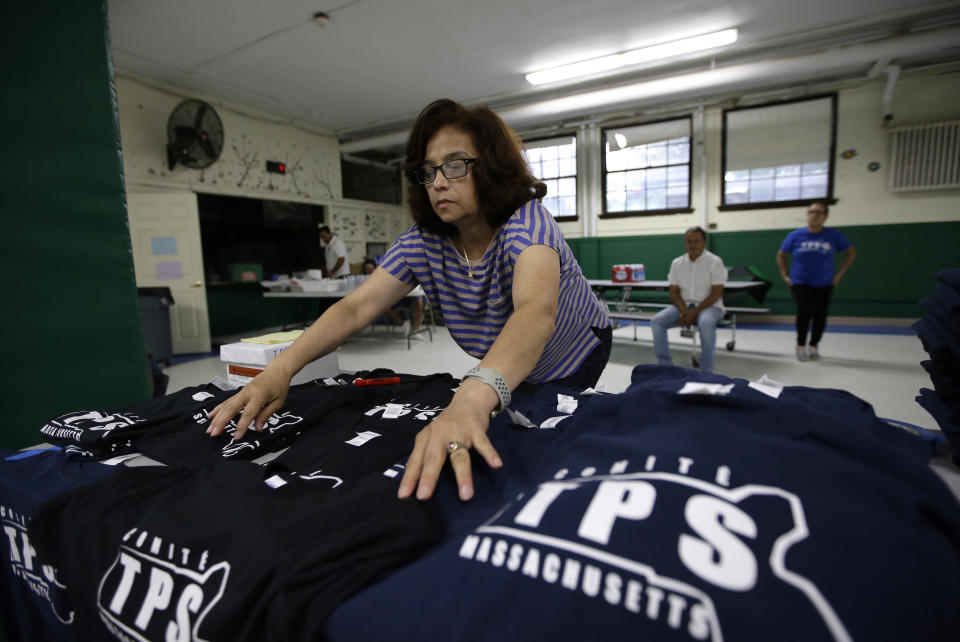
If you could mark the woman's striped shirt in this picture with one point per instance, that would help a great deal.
(476, 309)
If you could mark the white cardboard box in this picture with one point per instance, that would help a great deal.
(325, 285)
(246, 360)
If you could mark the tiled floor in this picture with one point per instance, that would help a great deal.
(883, 369)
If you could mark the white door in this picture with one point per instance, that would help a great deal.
(165, 233)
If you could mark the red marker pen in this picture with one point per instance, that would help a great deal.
(386, 381)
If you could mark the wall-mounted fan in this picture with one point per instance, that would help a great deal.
(194, 135)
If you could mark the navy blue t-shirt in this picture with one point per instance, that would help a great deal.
(939, 332)
(659, 515)
(35, 603)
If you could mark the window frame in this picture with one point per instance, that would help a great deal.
(604, 214)
(802, 202)
(576, 175)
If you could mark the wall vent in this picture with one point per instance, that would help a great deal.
(925, 156)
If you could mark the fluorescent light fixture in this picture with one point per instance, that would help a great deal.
(636, 56)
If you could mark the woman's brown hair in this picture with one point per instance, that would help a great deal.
(502, 178)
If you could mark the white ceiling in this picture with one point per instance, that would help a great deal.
(378, 62)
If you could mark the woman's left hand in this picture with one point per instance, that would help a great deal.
(460, 427)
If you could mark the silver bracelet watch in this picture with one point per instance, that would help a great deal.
(493, 379)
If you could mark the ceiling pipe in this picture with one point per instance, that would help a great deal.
(359, 160)
(878, 67)
(745, 76)
(375, 142)
(893, 74)
(702, 162)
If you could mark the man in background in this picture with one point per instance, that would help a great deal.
(696, 290)
(335, 254)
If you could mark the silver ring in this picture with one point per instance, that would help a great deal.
(454, 446)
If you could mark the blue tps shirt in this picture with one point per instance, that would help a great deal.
(813, 255)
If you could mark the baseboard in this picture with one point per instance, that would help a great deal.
(897, 322)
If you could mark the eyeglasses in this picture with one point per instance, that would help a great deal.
(456, 168)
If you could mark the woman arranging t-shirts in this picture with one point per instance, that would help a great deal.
(492, 260)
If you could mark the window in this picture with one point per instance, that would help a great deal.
(779, 155)
(647, 168)
(554, 161)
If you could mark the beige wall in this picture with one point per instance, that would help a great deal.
(312, 158)
(862, 196)
(251, 139)
(314, 174)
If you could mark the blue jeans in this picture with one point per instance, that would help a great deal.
(707, 322)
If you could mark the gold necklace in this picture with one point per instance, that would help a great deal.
(465, 257)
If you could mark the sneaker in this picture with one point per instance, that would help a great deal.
(813, 354)
(802, 353)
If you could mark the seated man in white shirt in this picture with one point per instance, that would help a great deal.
(696, 290)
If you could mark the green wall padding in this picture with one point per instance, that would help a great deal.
(893, 271)
(70, 324)
(238, 308)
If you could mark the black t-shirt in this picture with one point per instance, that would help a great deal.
(371, 429)
(172, 429)
(108, 432)
(238, 551)
(228, 552)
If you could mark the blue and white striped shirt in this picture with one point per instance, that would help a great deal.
(476, 309)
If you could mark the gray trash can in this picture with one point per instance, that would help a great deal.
(155, 305)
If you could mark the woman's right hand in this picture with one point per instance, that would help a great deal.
(254, 403)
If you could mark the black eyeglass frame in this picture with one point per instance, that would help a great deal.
(421, 173)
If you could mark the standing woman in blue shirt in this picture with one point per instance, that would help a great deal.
(811, 277)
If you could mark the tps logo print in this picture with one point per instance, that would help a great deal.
(87, 426)
(158, 590)
(662, 547)
(40, 578)
(274, 424)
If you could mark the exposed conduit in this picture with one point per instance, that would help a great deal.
(702, 157)
(359, 160)
(893, 73)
